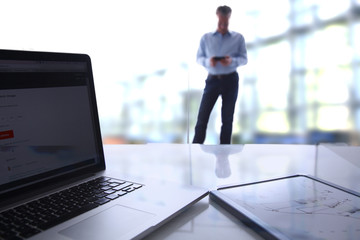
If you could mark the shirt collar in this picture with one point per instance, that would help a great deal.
(228, 33)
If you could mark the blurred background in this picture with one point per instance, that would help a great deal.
(301, 84)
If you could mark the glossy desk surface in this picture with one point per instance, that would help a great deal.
(211, 166)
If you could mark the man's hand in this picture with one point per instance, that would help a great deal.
(226, 61)
(213, 61)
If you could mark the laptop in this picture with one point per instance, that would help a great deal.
(53, 180)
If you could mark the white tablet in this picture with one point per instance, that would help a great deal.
(294, 207)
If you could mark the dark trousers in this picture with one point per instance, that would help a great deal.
(227, 87)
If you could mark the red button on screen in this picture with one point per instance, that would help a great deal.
(6, 134)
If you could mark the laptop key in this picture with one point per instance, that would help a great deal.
(121, 187)
(112, 196)
(121, 193)
(102, 201)
(131, 188)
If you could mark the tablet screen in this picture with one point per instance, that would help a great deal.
(299, 207)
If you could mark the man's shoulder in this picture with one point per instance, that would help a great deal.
(209, 34)
(234, 33)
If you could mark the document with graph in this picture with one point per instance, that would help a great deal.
(294, 207)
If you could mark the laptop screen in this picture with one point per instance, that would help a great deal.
(48, 118)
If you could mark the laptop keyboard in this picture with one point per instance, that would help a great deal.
(31, 218)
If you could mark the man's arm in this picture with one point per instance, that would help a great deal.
(240, 58)
(201, 57)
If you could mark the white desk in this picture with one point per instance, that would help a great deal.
(210, 166)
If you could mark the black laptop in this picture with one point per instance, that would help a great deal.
(53, 182)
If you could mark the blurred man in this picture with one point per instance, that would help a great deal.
(221, 53)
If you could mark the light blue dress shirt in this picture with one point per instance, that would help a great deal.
(215, 44)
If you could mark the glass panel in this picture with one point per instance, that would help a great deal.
(357, 119)
(300, 44)
(260, 22)
(311, 87)
(356, 40)
(328, 47)
(273, 76)
(333, 118)
(311, 116)
(273, 122)
(327, 11)
(247, 95)
(356, 72)
(303, 12)
(299, 90)
(333, 86)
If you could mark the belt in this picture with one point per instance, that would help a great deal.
(221, 76)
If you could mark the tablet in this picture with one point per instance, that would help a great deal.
(294, 207)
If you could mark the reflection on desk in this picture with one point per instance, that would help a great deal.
(222, 169)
